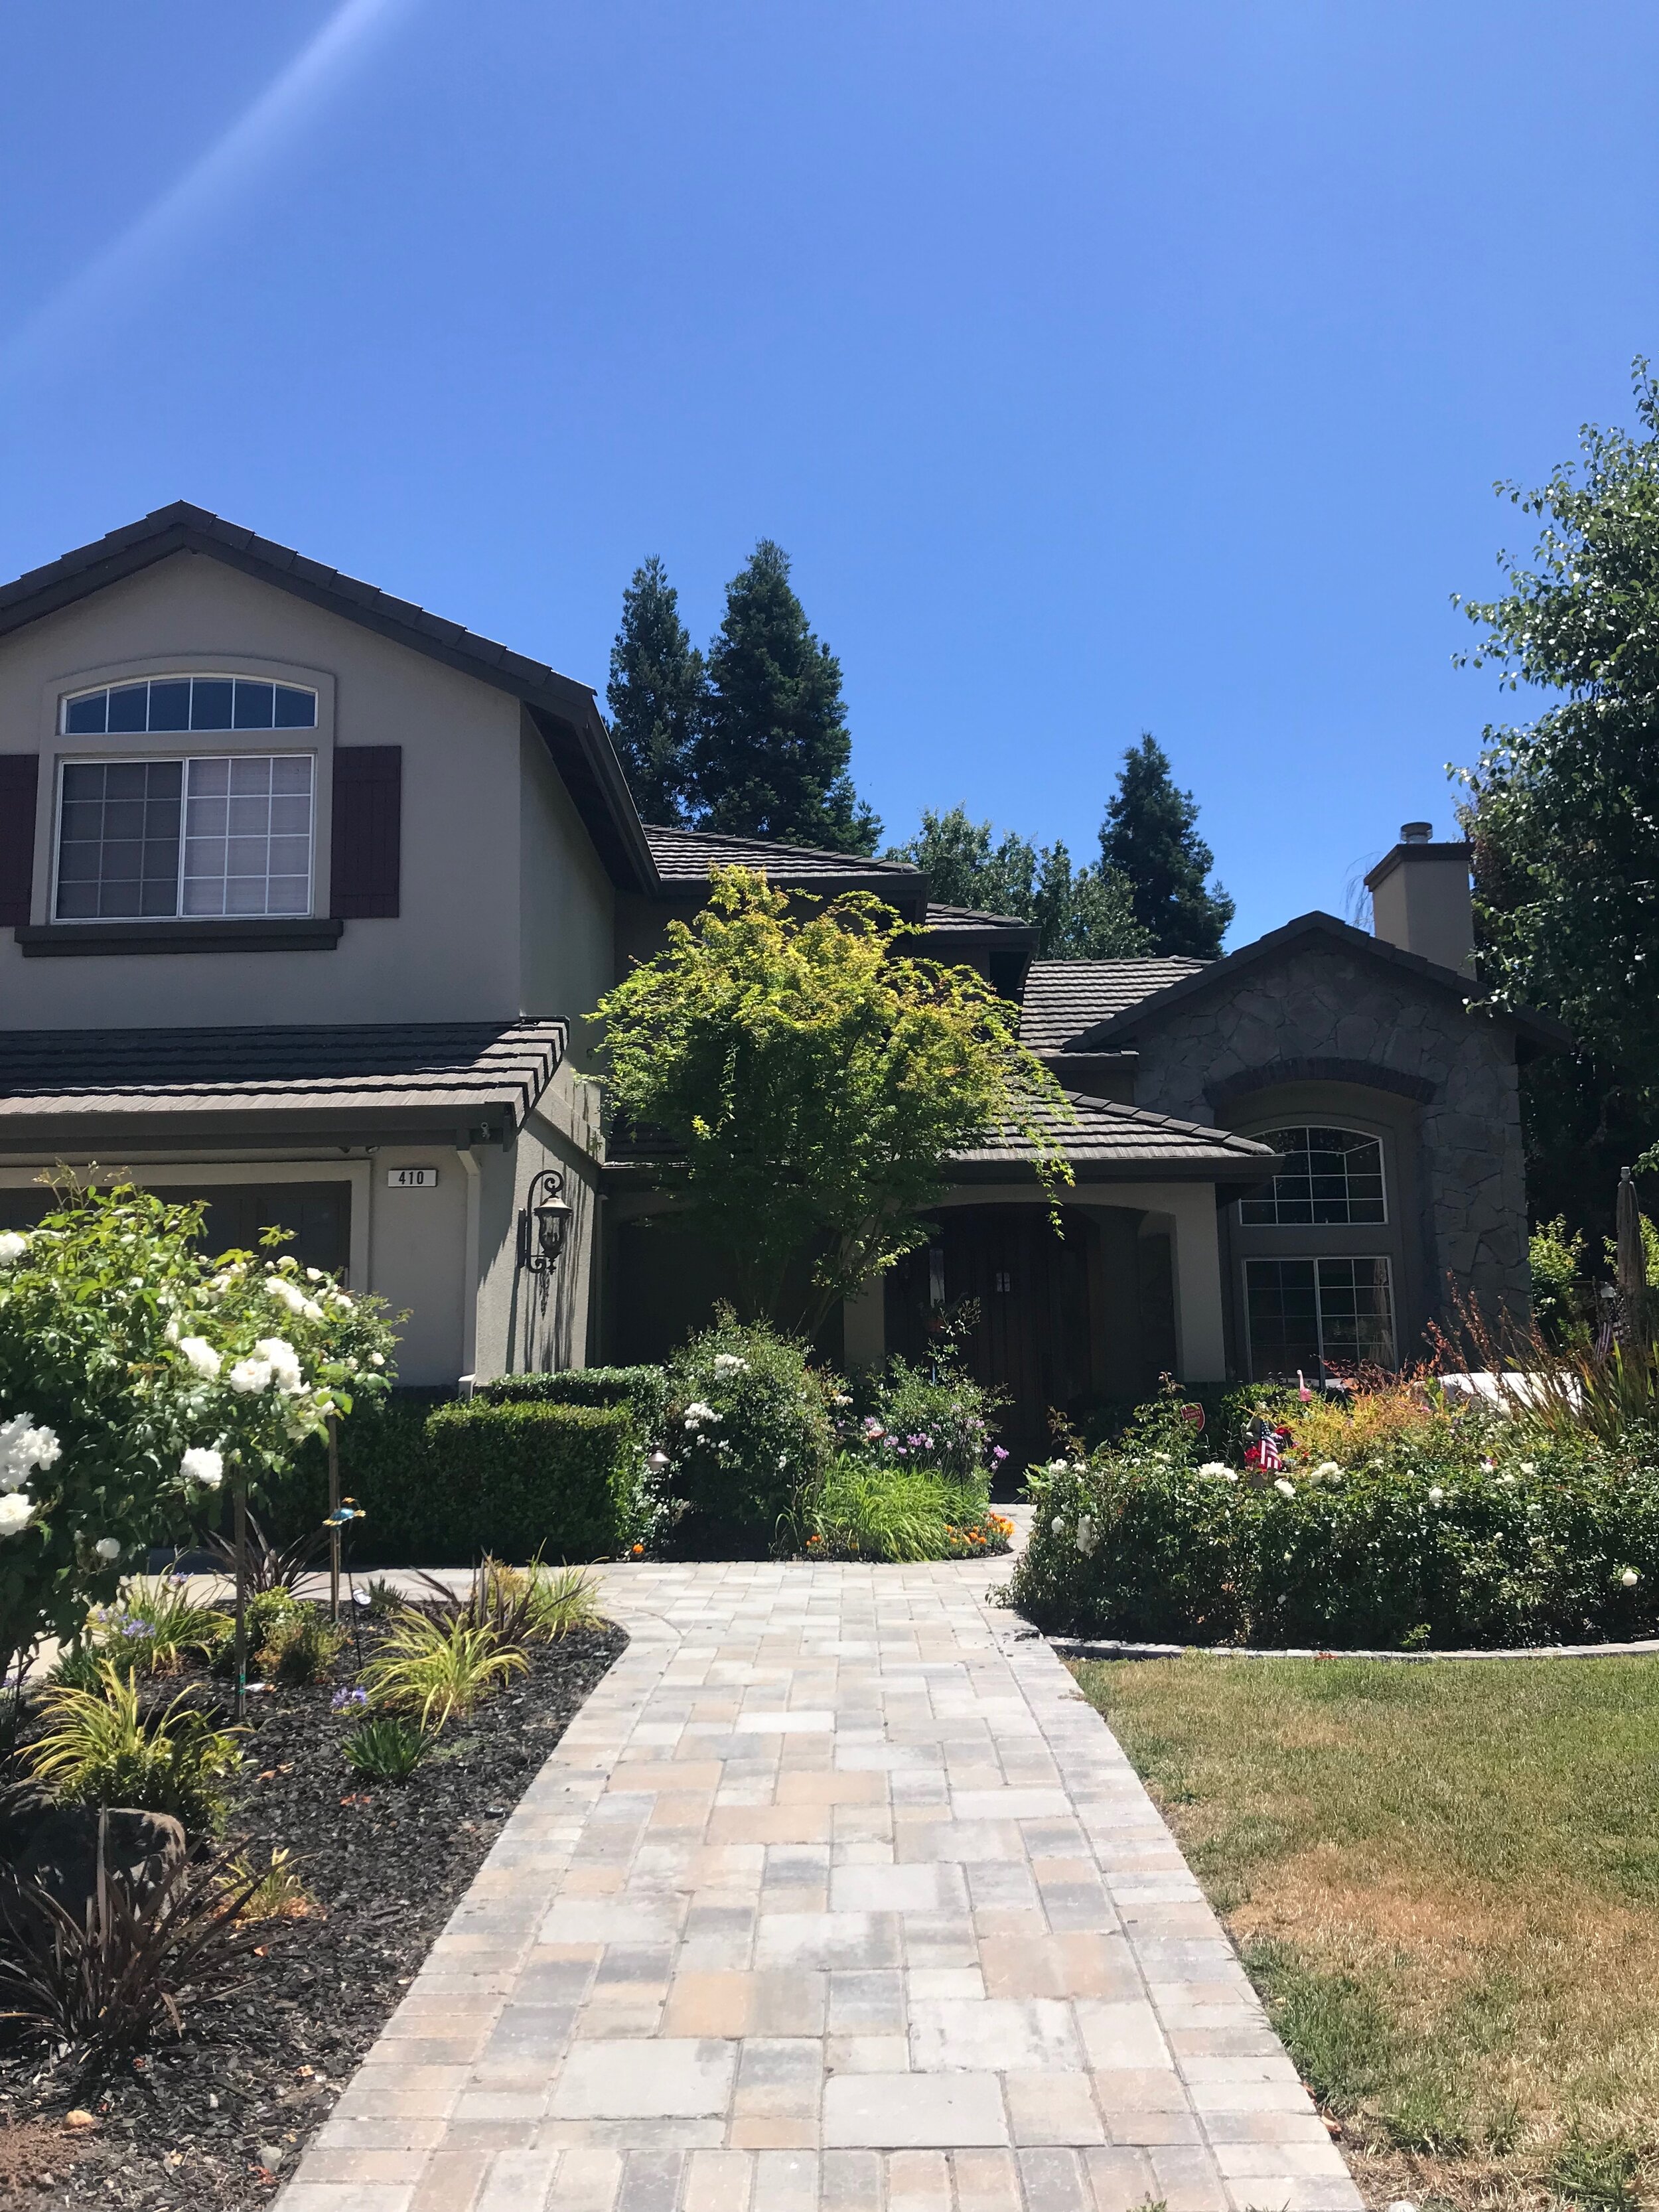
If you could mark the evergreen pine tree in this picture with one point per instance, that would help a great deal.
(655, 694)
(1150, 837)
(771, 755)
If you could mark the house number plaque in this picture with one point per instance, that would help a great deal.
(411, 1178)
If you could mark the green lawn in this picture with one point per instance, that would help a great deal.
(1445, 1881)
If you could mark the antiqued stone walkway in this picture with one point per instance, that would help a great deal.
(836, 1894)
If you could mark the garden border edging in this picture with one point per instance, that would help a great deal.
(1082, 1647)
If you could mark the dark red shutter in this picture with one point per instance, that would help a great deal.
(367, 842)
(19, 780)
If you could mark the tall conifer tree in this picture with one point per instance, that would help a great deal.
(771, 755)
(1150, 837)
(655, 694)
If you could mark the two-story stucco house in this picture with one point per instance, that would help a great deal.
(304, 894)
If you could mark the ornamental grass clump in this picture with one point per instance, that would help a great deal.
(100, 1749)
(438, 1669)
(865, 1511)
(1421, 1526)
(157, 1623)
(385, 1747)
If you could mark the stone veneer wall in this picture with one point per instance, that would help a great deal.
(1321, 1002)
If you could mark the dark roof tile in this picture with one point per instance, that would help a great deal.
(686, 856)
(1104, 1139)
(1065, 998)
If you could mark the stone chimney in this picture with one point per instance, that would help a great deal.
(1420, 898)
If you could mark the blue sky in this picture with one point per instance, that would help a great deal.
(1103, 367)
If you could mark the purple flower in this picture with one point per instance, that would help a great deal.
(998, 1453)
(344, 1699)
(136, 1628)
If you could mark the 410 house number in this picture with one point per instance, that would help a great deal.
(411, 1178)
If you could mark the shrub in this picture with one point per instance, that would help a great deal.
(302, 1646)
(264, 1615)
(438, 1668)
(642, 1390)
(908, 1420)
(749, 1427)
(99, 1749)
(866, 1510)
(385, 1748)
(522, 1478)
(520, 1604)
(1431, 1530)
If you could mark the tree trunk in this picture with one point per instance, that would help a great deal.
(1631, 1265)
(241, 1507)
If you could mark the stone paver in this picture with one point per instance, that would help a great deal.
(836, 1897)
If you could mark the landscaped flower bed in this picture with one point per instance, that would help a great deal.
(1405, 1521)
(218, 2115)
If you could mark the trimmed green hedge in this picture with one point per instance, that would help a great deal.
(439, 1483)
(645, 1389)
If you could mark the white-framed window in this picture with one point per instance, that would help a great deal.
(206, 835)
(1322, 1315)
(1331, 1177)
(178, 703)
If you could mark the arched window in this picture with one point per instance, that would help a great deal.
(1331, 1177)
(191, 830)
(174, 703)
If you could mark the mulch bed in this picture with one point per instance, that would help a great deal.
(194, 2124)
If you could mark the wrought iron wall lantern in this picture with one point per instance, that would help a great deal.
(544, 1224)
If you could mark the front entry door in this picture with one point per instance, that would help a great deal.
(1032, 1295)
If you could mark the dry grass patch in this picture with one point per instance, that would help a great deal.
(1444, 1880)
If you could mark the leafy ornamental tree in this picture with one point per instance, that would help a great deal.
(811, 1083)
(1086, 914)
(1563, 812)
(771, 752)
(137, 1376)
(1149, 836)
(655, 694)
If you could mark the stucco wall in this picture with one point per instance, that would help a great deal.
(527, 1322)
(1323, 1003)
(455, 952)
(566, 903)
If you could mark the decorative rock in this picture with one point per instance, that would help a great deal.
(23, 1806)
(145, 1848)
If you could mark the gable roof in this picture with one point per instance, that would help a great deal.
(1066, 1001)
(564, 712)
(1315, 929)
(1108, 1142)
(428, 1081)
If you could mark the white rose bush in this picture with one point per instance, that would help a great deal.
(139, 1380)
(1404, 1522)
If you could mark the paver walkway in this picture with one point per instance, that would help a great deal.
(836, 1894)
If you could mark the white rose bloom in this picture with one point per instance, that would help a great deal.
(1326, 1468)
(108, 1549)
(12, 1248)
(1630, 1578)
(1435, 1493)
(727, 1363)
(1057, 1526)
(16, 1511)
(286, 1293)
(23, 1448)
(285, 1363)
(1529, 1466)
(1217, 1470)
(341, 1301)
(1085, 1533)
(314, 1274)
(201, 1355)
(377, 1359)
(250, 1375)
(311, 1310)
(202, 1464)
(1285, 1489)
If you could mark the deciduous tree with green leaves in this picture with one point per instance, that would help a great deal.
(1563, 812)
(656, 695)
(1150, 837)
(1081, 913)
(771, 752)
(809, 1081)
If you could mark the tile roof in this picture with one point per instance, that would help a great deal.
(686, 856)
(1065, 998)
(947, 919)
(439, 1075)
(1105, 1139)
